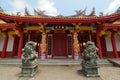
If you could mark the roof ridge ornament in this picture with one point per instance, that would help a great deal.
(101, 14)
(39, 12)
(92, 13)
(1, 9)
(18, 13)
(59, 15)
(26, 12)
(118, 10)
(80, 12)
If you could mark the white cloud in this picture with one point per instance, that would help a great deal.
(18, 6)
(113, 5)
(47, 5)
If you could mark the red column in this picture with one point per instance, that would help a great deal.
(114, 46)
(3, 55)
(90, 36)
(14, 46)
(105, 48)
(98, 45)
(28, 36)
(20, 46)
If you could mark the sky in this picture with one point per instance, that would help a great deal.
(60, 7)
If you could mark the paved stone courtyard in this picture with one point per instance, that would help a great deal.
(59, 73)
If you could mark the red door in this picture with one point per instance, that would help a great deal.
(59, 45)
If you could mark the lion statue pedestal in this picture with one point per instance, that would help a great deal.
(29, 60)
(89, 62)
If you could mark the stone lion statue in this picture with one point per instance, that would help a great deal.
(89, 62)
(90, 54)
(29, 55)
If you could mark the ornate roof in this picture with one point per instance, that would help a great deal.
(59, 19)
(40, 17)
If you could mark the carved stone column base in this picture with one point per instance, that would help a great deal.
(42, 56)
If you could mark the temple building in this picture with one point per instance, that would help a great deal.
(59, 37)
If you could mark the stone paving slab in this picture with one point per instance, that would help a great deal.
(59, 73)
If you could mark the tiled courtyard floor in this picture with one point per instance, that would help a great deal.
(59, 73)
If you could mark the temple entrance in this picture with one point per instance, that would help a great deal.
(35, 36)
(59, 45)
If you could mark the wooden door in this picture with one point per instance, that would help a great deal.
(59, 45)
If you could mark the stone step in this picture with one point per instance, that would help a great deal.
(115, 62)
(17, 62)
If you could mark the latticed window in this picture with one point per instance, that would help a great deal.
(49, 44)
(70, 44)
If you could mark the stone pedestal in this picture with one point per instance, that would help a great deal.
(76, 56)
(90, 71)
(29, 70)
